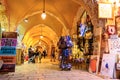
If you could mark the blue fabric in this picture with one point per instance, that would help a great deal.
(66, 52)
(82, 29)
(69, 41)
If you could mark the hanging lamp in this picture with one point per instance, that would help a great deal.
(43, 15)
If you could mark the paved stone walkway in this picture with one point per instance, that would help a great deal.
(47, 71)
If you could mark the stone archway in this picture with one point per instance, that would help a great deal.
(91, 8)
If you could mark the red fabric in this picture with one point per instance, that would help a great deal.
(26, 58)
(93, 65)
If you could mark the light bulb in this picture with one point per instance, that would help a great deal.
(41, 36)
(43, 15)
(26, 20)
(3, 29)
(39, 42)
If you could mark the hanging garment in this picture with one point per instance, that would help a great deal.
(82, 29)
(68, 42)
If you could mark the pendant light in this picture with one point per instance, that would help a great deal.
(43, 15)
(26, 20)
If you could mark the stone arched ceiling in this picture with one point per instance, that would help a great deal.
(61, 16)
(20, 9)
(33, 35)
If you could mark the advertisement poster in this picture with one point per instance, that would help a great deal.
(8, 51)
(108, 65)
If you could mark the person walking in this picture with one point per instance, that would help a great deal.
(53, 54)
(37, 55)
(44, 53)
(31, 55)
(30, 52)
(40, 54)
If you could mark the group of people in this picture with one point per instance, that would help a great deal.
(36, 55)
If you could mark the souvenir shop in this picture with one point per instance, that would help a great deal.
(110, 40)
(83, 46)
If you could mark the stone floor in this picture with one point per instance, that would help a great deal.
(47, 71)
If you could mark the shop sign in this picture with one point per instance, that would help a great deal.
(8, 59)
(8, 68)
(9, 42)
(8, 64)
(9, 35)
(8, 51)
(105, 10)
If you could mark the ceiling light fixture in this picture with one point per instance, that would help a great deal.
(39, 42)
(41, 36)
(43, 15)
(3, 29)
(26, 20)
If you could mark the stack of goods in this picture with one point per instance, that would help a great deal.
(65, 44)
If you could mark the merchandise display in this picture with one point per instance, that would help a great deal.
(85, 36)
(83, 50)
(65, 44)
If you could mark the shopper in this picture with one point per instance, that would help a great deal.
(44, 53)
(40, 54)
(37, 55)
(30, 54)
(53, 54)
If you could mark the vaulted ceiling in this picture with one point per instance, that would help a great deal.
(59, 20)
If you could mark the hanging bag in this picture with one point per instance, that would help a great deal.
(62, 44)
